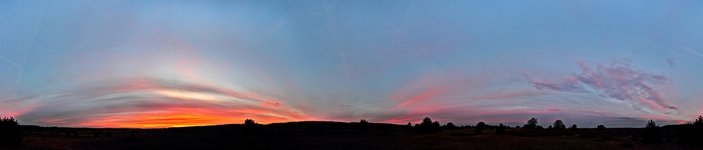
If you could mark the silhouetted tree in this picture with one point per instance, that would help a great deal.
(436, 127)
(559, 125)
(250, 127)
(539, 127)
(10, 132)
(479, 127)
(574, 126)
(501, 129)
(601, 127)
(692, 132)
(517, 127)
(549, 127)
(531, 124)
(427, 126)
(363, 124)
(651, 133)
(450, 125)
(409, 125)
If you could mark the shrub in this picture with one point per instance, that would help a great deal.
(10, 132)
(409, 125)
(574, 126)
(601, 127)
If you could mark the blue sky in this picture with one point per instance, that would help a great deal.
(181, 63)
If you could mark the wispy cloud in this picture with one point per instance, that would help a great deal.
(620, 80)
(150, 102)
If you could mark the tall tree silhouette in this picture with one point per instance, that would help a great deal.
(10, 132)
(479, 127)
(427, 126)
(559, 124)
(531, 124)
(651, 133)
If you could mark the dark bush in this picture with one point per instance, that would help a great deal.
(574, 126)
(601, 127)
(409, 125)
(539, 127)
(10, 132)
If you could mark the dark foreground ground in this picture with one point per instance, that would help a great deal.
(393, 137)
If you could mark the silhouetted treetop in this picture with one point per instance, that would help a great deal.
(531, 124)
(363, 121)
(10, 132)
(249, 122)
(651, 133)
(450, 125)
(559, 125)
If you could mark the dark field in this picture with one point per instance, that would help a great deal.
(327, 135)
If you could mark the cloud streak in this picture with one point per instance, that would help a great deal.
(155, 103)
(620, 80)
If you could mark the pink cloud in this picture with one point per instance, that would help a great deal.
(553, 109)
(620, 81)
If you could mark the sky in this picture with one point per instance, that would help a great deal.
(156, 64)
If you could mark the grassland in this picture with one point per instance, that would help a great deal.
(382, 137)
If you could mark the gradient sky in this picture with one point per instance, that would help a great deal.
(148, 64)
